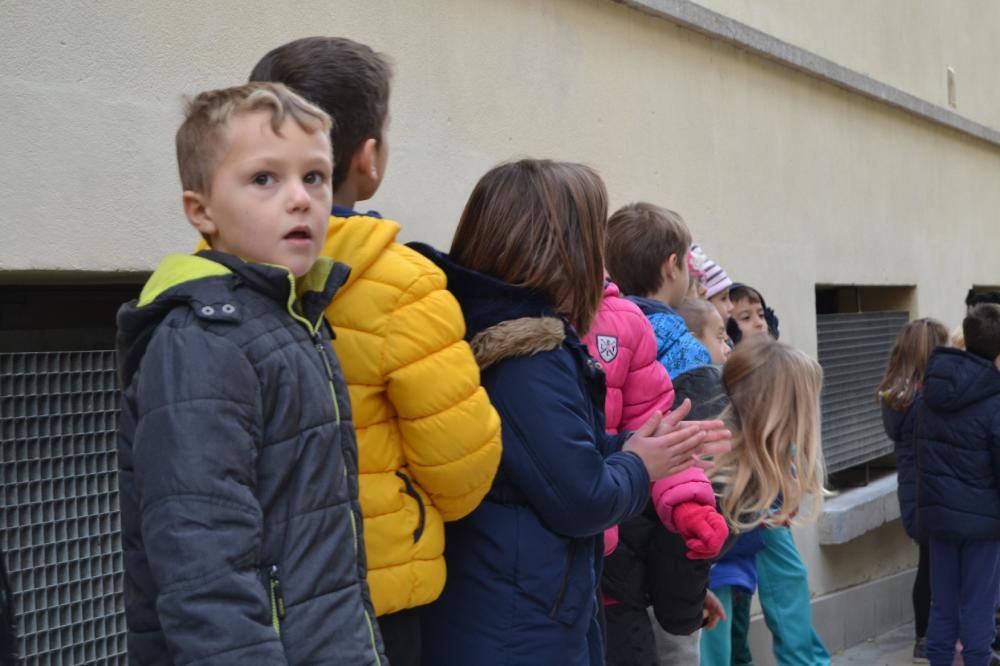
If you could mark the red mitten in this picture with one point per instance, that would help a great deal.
(703, 528)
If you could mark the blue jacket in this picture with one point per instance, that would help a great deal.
(957, 419)
(676, 349)
(899, 428)
(738, 567)
(524, 567)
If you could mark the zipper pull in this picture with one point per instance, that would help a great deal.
(277, 598)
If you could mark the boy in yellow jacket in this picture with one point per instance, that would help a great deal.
(428, 438)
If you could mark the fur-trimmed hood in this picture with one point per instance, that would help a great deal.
(502, 321)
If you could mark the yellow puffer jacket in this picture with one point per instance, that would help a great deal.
(428, 437)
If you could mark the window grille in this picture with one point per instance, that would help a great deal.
(854, 351)
(59, 527)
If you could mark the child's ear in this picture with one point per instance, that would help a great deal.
(670, 268)
(198, 215)
(366, 160)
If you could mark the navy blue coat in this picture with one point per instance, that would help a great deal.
(899, 428)
(524, 567)
(958, 447)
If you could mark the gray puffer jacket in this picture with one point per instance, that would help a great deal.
(238, 471)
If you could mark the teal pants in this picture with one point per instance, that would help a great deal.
(717, 644)
(783, 585)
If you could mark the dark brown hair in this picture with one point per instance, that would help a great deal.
(346, 79)
(539, 224)
(982, 331)
(908, 362)
(744, 293)
(641, 236)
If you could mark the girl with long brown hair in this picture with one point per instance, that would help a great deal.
(526, 265)
(901, 385)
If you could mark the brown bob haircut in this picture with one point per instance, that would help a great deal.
(982, 331)
(539, 224)
(346, 79)
(641, 236)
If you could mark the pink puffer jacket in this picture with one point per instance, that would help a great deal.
(622, 339)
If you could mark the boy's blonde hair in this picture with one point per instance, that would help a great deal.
(696, 313)
(774, 416)
(201, 138)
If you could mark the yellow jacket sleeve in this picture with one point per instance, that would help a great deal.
(450, 431)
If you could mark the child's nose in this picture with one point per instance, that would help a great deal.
(298, 197)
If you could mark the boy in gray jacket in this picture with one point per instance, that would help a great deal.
(238, 486)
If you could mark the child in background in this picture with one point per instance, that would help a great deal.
(647, 256)
(900, 387)
(241, 527)
(717, 286)
(958, 489)
(957, 338)
(526, 265)
(783, 582)
(775, 461)
(750, 315)
(637, 387)
(707, 326)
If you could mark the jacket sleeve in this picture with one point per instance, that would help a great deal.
(194, 452)
(450, 431)
(691, 485)
(647, 387)
(550, 449)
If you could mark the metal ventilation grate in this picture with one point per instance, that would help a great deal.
(854, 351)
(59, 528)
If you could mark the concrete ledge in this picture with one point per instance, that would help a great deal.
(718, 26)
(849, 617)
(858, 510)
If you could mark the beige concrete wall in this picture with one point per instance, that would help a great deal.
(787, 182)
(908, 44)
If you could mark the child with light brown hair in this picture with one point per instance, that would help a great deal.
(241, 526)
(774, 464)
(903, 382)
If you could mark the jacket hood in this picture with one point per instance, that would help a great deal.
(651, 306)
(205, 283)
(486, 300)
(501, 321)
(611, 290)
(358, 240)
(956, 379)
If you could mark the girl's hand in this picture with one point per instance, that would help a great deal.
(668, 445)
(714, 612)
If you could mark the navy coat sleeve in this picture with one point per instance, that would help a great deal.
(551, 451)
(194, 456)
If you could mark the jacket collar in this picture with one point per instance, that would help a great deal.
(651, 305)
(308, 297)
(344, 211)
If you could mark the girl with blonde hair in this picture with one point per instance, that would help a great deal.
(773, 466)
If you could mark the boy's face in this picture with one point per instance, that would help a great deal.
(723, 304)
(675, 281)
(715, 339)
(749, 316)
(270, 200)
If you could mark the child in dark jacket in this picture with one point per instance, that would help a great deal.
(241, 527)
(904, 378)
(958, 488)
(637, 387)
(524, 566)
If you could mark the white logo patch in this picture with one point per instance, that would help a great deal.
(607, 347)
